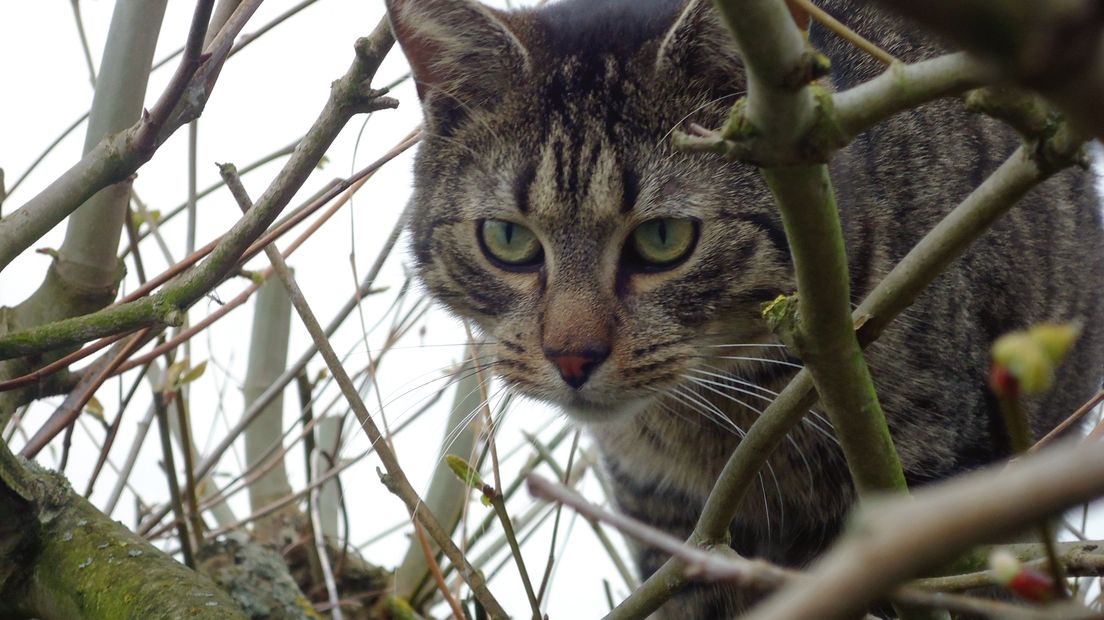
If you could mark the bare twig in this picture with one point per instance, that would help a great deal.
(395, 479)
(843, 31)
(186, 548)
(435, 572)
(1072, 420)
(79, 397)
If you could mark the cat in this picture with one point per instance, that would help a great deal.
(621, 279)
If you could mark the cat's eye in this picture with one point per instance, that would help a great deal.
(662, 243)
(510, 245)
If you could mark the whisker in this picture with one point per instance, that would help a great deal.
(693, 112)
(789, 438)
(816, 417)
(753, 359)
(712, 411)
(749, 344)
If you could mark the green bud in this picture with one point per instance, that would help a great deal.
(1033, 356)
(465, 472)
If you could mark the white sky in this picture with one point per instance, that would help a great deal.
(266, 97)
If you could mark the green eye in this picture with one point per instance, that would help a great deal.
(509, 244)
(664, 241)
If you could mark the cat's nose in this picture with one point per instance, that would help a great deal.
(575, 366)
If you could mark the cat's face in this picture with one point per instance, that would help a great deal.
(551, 210)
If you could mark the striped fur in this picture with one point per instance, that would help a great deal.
(559, 119)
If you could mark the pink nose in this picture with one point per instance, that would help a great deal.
(576, 366)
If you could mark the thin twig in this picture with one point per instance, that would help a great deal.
(80, 396)
(435, 572)
(844, 32)
(395, 479)
(1072, 420)
(170, 473)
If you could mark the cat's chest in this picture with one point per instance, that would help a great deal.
(668, 451)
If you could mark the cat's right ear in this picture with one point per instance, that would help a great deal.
(699, 45)
(463, 55)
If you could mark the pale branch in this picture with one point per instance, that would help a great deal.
(74, 562)
(86, 258)
(722, 564)
(395, 479)
(895, 539)
(350, 95)
(1056, 48)
(268, 346)
(119, 155)
(903, 86)
(839, 117)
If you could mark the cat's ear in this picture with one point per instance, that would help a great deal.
(699, 45)
(462, 54)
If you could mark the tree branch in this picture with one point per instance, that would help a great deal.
(77, 563)
(349, 96)
(780, 109)
(395, 479)
(897, 539)
(1056, 48)
(118, 155)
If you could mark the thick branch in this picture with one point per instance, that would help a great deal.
(1024, 169)
(78, 563)
(839, 117)
(904, 86)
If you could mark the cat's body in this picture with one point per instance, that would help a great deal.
(558, 120)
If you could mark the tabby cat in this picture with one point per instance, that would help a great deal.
(622, 280)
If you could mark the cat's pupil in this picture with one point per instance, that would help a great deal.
(663, 232)
(509, 232)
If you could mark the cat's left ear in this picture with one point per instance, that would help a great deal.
(699, 45)
(462, 54)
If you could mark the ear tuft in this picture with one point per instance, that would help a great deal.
(458, 50)
(699, 45)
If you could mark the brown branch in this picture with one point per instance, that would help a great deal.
(395, 479)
